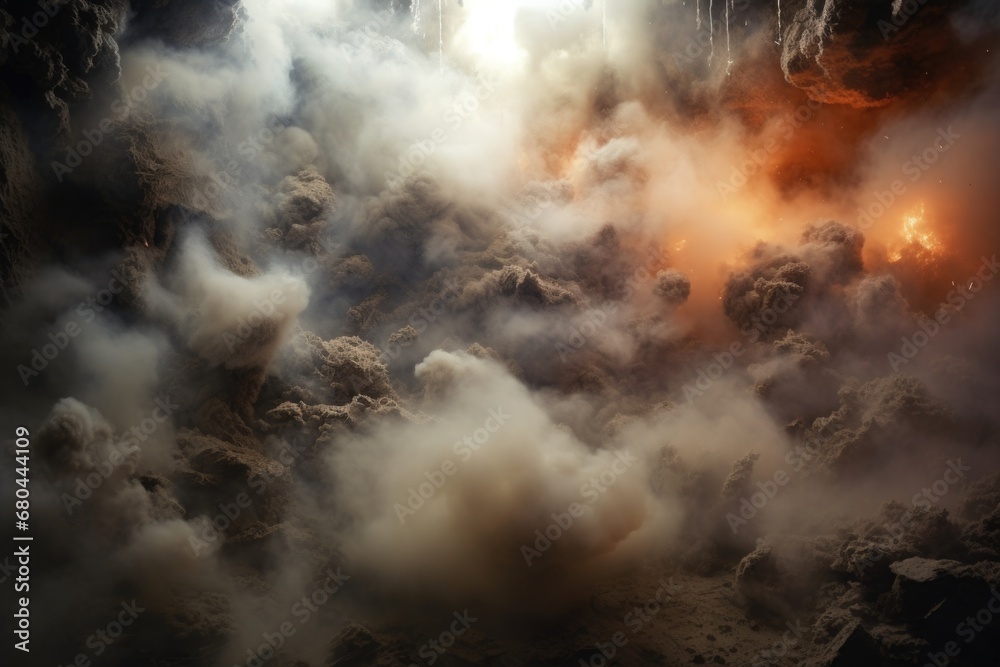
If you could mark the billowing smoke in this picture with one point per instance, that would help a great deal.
(392, 332)
(226, 318)
(531, 510)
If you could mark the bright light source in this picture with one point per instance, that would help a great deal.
(488, 26)
(916, 232)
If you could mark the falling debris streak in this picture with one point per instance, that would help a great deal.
(697, 4)
(711, 33)
(440, 37)
(779, 21)
(729, 48)
(604, 23)
(415, 10)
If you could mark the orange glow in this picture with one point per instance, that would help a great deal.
(916, 232)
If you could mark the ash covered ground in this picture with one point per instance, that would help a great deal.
(477, 333)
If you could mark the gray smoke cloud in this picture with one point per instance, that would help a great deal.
(334, 321)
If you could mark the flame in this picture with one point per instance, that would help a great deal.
(916, 233)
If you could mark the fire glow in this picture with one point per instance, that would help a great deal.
(917, 235)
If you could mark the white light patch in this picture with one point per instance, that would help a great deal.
(488, 29)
